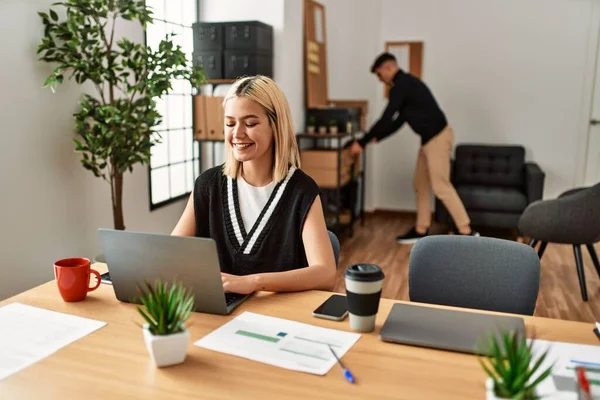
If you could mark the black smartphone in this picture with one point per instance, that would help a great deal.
(334, 308)
(105, 278)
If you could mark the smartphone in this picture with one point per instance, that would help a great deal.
(334, 308)
(105, 278)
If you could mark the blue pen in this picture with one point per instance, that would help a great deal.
(588, 363)
(347, 373)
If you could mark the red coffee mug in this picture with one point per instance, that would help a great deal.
(73, 278)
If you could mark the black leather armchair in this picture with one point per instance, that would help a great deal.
(494, 183)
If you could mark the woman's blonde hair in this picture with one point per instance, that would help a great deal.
(270, 97)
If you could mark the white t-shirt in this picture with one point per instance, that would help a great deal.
(252, 200)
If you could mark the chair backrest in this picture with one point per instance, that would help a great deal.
(489, 165)
(474, 272)
(580, 208)
(335, 243)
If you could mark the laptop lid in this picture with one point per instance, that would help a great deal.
(453, 330)
(135, 257)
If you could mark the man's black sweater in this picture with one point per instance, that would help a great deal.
(411, 101)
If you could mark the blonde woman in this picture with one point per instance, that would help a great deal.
(264, 213)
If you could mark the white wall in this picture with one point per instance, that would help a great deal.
(504, 71)
(350, 53)
(51, 207)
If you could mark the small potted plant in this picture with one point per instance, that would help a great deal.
(513, 370)
(322, 129)
(311, 123)
(333, 128)
(165, 310)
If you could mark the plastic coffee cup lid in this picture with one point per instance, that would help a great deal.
(364, 273)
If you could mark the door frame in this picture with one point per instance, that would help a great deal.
(583, 131)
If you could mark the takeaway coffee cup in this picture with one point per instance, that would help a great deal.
(363, 291)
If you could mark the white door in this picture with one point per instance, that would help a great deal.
(592, 168)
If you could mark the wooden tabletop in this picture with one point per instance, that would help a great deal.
(113, 363)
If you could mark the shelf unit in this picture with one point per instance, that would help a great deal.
(220, 81)
(341, 179)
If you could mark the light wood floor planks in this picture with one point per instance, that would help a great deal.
(559, 295)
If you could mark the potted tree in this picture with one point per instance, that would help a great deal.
(333, 128)
(311, 122)
(165, 310)
(114, 125)
(513, 370)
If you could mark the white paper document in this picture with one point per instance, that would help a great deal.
(28, 334)
(566, 357)
(280, 342)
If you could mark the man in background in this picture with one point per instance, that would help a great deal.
(411, 101)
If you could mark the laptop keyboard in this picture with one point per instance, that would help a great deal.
(230, 298)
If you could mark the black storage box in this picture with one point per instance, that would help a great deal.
(252, 36)
(211, 62)
(208, 36)
(240, 63)
(342, 117)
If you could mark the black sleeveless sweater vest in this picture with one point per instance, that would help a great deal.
(274, 243)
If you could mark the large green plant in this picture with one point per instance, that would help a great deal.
(512, 365)
(116, 125)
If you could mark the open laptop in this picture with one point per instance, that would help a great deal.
(454, 330)
(135, 257)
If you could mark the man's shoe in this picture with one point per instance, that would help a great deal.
(473, 233)
(411, 236)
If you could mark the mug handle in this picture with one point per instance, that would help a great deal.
(98, 280)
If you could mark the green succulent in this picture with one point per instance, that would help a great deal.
(511, 364)
(166, 309)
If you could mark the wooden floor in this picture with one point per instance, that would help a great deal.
(559, 295)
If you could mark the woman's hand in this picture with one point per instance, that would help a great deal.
(245, 284)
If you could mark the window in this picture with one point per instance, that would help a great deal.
(174, 163)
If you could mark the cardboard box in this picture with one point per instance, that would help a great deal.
(322, 166)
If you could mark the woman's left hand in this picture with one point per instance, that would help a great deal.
(245, 284)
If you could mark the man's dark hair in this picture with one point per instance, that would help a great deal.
(382, 58)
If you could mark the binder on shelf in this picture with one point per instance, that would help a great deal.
(200, 130)
(214, 117)
(221, 117)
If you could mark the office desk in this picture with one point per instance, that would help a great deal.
(112, 363)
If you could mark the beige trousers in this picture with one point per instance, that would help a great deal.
(433, 171)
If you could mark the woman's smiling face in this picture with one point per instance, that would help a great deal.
(247, 130)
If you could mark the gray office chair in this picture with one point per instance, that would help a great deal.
(335, 243)
(474, 272)
(572, 218)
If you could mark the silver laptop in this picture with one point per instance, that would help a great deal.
(461, 331)
(135, 257)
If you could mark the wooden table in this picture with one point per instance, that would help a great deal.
(112, 363)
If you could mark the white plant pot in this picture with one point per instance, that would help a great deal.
(333, 130)
(310, 129)
(167, 350)
(322, 130)
(489, 391)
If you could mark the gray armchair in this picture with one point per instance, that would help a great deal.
(474, 272)
(572, 218)
(495, 184)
